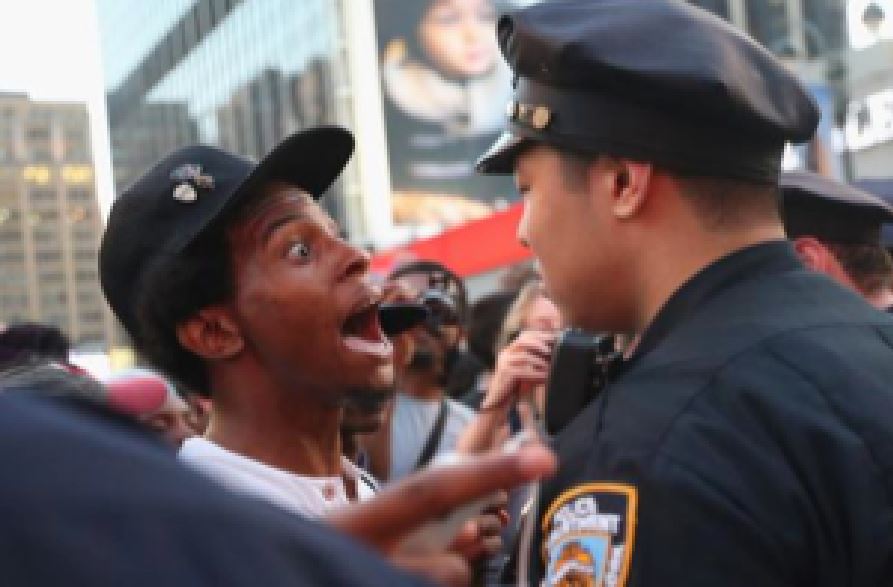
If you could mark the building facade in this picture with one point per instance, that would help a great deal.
(238, 74)
(49, 219)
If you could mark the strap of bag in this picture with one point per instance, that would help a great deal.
(433, 438)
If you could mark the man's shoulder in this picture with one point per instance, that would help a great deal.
(792, 362)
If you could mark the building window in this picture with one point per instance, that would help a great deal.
(717, 7)
(768, 24)
(42, 195)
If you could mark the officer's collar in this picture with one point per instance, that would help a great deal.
(760, 259)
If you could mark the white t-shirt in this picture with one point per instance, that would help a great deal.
(308, 496)
(411, 425)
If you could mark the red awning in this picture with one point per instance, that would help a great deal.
(472, 248)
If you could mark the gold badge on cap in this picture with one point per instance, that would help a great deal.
(191, 179)
(541, 117)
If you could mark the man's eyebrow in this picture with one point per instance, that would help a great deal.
(281, 221)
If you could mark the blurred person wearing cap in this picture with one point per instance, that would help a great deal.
(836, 230)
(128, 513)
(425, 422)
(153, 400)
(232, 280)
(746, 439)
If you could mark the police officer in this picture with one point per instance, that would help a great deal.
(836, 230)
(748, 439)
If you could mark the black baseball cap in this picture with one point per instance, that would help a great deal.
(190, 190)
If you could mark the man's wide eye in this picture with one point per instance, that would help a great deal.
(299, 251)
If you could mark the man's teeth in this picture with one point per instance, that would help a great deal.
(357, 344)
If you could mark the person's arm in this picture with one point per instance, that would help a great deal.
(521, 368)
(387, 520)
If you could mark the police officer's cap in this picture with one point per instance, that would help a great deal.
(659, 81)
(820, 207)
(192, 190)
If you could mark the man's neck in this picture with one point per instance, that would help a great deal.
(278, 427)
(421, 386)
(672, 267)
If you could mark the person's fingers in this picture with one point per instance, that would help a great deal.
(480, 537)
(433, 493)
(533, 346)
(513, 382)
(489, 524)
(527, 360)
(466, 538)
(442, 568)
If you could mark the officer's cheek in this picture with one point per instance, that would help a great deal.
(523, 224)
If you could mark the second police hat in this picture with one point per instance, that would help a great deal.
(653, 80)
(813, 205)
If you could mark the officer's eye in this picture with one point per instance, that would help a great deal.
(299, 251)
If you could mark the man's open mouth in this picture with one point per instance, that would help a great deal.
(362, 332)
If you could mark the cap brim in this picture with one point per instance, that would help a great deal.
(501, 156)
(809, 185)
(400, 317)
(310, 159)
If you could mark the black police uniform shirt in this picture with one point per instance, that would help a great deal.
(748, 442)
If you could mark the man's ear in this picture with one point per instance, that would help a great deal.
(812, 253)
(631, 180)
(212, 334)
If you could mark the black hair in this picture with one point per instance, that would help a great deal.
(487, 316)
(28, 342)
(175, 288)
(440, 277)
(721, 203)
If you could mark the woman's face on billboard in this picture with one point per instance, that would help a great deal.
(460, 36)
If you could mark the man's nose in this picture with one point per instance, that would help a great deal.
(356, 261)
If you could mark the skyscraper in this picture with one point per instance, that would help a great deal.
(49, 219)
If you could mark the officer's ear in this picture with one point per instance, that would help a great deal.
(630, 186)
(212, 333)
(812, 253)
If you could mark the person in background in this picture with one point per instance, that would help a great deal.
(424, 421)
(33, 342)
(199, 407)
(366, 413)
(485, 321)
(84, 478)
(153, 400)
(836, 230)
(532, 312)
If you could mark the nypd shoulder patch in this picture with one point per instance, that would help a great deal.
(588, 535)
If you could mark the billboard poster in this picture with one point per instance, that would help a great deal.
(445, 88)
